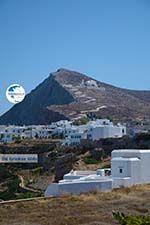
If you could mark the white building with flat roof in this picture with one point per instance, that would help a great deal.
(77, 182)
(106, 131)
(128, 167)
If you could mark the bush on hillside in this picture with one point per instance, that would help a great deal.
(131, 220)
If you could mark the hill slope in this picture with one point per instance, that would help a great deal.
(68, 94)
(33, 110)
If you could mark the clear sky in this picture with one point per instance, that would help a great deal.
(107, 39)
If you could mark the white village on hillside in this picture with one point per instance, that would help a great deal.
(71, 134)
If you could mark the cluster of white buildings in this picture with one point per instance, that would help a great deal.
(71, 134)
(10, 133)
(93, 130)
(128, 167)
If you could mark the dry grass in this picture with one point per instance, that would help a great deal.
(94, 208)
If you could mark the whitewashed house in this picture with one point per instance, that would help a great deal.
(99, 122)
(74, 138)
(128, 167)
(106, 129)
(9, 133)
(2, 128)
(74, 135)
(63, 123)
(6, 137)
(15, 130)
(62, 127)
(78, 182)
(41, 131)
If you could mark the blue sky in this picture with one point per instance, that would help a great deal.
(107, 39)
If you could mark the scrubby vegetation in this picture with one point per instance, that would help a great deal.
(131, 220)
(12, 187)
(10, 184)
(28, 195)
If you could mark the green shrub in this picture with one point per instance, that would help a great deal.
(89, 160)
(81, 121)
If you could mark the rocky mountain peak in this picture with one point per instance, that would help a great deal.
(69, 94)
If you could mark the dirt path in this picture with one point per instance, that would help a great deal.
(23, 186)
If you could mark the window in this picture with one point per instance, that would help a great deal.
(121, 170)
